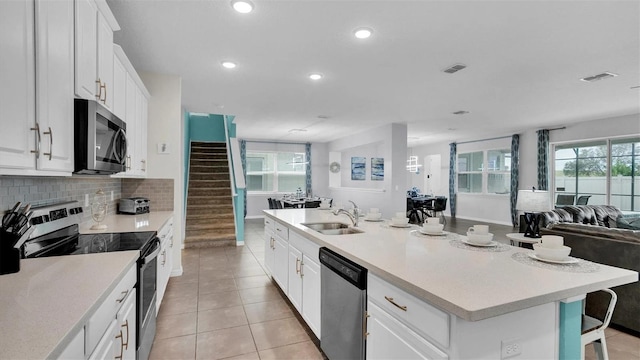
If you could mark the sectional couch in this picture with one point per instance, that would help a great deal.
(593, 233)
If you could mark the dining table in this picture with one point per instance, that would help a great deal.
(295, 203)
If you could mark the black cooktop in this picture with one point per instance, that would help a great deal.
(95, 243)
(67, 241)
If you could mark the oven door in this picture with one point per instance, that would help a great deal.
(147, 272)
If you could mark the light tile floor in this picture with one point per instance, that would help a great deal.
(225, 307)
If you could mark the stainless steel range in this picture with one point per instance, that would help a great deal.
(56, 233)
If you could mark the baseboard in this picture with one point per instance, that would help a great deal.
(176, 272)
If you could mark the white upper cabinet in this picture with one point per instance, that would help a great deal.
(95, 25)
(130, 104)
(119, 107)
(54, 84)
(40, 135)
(17, 93)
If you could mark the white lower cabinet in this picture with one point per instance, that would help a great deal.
(165, 261)
(280, 257)
(114, 316)
(304, 280)
(269, 247)
(389, 339)
(126, 332)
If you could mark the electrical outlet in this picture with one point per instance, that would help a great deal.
(511, 348)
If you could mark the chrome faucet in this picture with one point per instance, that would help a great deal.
(352, 216)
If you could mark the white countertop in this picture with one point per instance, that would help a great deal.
(152, 221)
(473, 285)
(44, 304)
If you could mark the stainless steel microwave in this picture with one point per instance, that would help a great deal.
(100, 139)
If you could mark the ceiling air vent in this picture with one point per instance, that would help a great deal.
(604, 75)
(454, 68)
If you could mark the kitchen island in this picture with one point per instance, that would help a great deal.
(480, 291)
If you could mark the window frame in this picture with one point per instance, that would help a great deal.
(275, 172)
(485, 172)
(608, 143)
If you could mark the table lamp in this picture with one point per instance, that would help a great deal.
(532, 203)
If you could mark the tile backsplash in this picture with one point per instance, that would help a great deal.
(50, 190)
(158, 191)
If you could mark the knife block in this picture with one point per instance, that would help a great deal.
(9, 256)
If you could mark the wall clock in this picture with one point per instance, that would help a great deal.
(334, 167)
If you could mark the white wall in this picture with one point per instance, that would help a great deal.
(388, 142)
(319, 177)
(496, 208)
(165, 126)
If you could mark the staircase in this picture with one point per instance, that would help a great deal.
(210, 220)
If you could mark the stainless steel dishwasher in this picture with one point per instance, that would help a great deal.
(344, 299)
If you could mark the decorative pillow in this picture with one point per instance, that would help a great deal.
(606, 215)
(628, 223)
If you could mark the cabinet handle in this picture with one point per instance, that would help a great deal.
(271, 243)
(301, 267)
(364, 324)
(171, 243)
(144, 162)
(297, 266)
(50, 133)
(104, 101)
(37, 150)
(164, 257)
(99, 95)
(401, 307)
(128, 162)
(124, 296)
(121, 345)
(126, 325)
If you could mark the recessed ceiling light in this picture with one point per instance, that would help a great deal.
(242, 6)
(315, 76)
(229, 64)
(362, 33)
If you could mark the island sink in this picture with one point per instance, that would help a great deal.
(332, 228)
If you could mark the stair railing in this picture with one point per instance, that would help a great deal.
(236, 175)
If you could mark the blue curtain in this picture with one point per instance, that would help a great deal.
(243, 159)
(452, 179)
(307, 157)
(515, 158)
(543, 159)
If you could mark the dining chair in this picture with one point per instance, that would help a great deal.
(439, 206)
(412, 212)
(583, 200)
(271, 205)
(564, 199)
(312, 204)
(593, 329)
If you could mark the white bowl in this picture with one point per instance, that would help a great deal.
(433, 221)
(399, 221)
(552, 241)
(479, 238)
(373, 216)
(551, 253)
(433, 228)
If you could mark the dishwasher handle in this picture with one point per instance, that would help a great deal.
(345, 268)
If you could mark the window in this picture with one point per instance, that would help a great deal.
(473, 174)
(275, 171)
(605, 171)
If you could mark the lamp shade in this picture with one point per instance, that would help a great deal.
(533, 201)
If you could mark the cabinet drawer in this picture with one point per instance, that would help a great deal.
(269, 223)
(306, 246)
(423, 318)
(282, 231)
(101, 319)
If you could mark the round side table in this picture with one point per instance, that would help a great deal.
(520, 239)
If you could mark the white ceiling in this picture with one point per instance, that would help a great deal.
(524, 58)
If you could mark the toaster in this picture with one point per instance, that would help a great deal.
(133, 206)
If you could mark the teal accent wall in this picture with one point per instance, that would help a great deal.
(187, 154)
(570, 330)
(206, 127)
